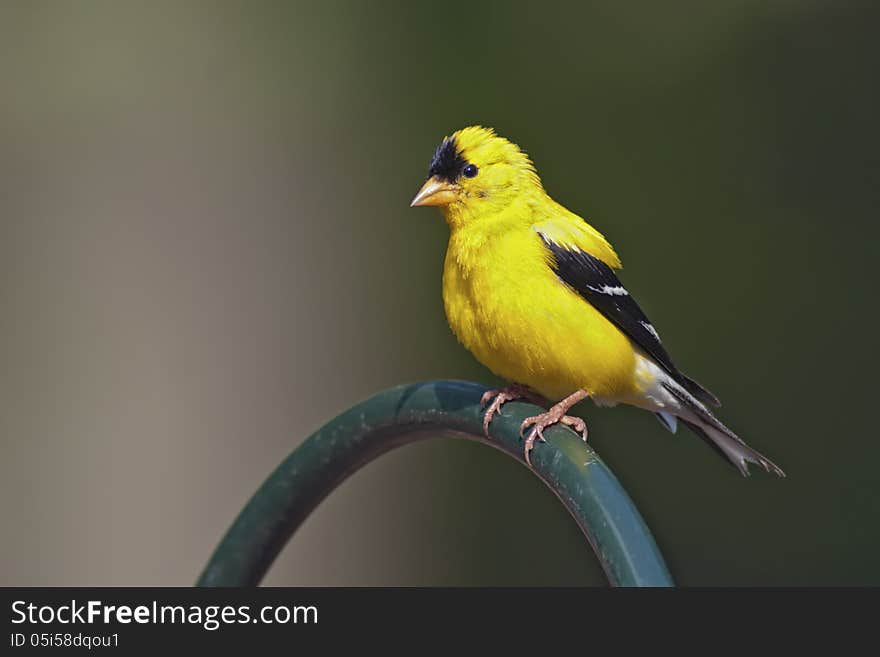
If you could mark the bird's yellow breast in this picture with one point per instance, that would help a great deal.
(507, 306)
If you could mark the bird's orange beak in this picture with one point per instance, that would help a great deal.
(435, 192)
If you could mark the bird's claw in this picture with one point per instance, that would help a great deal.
(540, 422)
(494, 408)
(577, 424)
(535, 434)
(488, 396)
(497, 398)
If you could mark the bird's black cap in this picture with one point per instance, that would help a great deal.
(447, 162)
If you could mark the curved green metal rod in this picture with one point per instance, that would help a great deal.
(405, 414)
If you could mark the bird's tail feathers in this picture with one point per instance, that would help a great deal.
(697, 390)
(668, 420)
(718, 436)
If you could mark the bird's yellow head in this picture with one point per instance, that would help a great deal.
(475, 174)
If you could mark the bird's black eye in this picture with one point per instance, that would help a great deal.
(470, 171)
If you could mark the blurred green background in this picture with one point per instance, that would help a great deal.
(206, 251)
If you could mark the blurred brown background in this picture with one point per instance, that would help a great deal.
(207, 252)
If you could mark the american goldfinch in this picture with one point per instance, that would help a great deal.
(529, 288)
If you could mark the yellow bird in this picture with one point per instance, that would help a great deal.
(529, 288)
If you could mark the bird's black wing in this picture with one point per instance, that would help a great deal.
(597, 283)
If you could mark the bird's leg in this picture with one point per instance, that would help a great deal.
(501, 397)
(556, 414)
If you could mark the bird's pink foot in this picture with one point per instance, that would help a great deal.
(556, 415)
(500, 397)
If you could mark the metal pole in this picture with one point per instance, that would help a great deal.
(570, 468)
